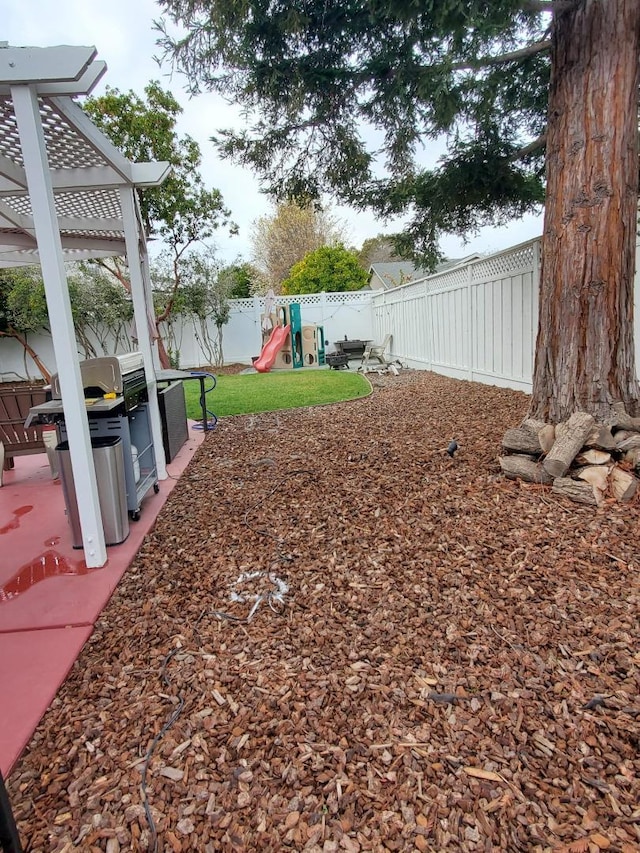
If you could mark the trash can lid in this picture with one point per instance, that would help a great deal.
(105, 441)
(96, 443)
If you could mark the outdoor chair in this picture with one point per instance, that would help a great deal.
(377, 352)
(15, 438)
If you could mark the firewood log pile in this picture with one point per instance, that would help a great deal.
(582, 460)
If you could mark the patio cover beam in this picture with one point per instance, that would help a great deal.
(116, 245)
(10, 218)
(83, 86)
(83, 125)
(9, 260)
(61, 64)
(13, 180)
(34, 152)
(14, 173)
(141, 310)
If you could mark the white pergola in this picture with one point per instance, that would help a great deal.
(67, 194)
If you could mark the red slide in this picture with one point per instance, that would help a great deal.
(271, 349)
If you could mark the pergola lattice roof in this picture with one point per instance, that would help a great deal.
(86, 170)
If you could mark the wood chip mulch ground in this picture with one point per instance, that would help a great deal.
(439, 659)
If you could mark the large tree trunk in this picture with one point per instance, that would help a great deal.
(585, 353)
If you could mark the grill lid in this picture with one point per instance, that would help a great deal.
(107, 373)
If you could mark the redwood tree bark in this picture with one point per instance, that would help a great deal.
(585, 352)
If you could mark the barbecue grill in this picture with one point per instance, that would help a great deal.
(116, 396)
(122, 375)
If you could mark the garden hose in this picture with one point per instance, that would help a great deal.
(211, 420)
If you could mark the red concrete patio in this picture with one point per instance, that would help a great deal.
(49, 600)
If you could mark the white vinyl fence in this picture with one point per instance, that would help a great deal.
(340, 314)
(477, 321)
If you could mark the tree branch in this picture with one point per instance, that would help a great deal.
(552, 6)
(514, 56)
(540, 142)
(22, 340)
(115, 271)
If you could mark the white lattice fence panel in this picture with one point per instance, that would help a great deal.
(505, 263)
(477, 321)
(349, 297)
(451, 279)
(243, 305)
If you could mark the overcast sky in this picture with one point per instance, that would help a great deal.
(122, 32)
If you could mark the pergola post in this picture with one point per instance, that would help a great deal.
(34, 152)
(141, 313)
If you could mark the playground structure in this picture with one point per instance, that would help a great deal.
(286, 343)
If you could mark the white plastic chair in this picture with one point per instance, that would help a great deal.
(375, 351)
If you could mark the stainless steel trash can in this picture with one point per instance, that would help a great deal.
(108, 458)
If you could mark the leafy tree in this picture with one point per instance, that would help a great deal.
(283, 238)
(329, 268)
(378, 250)
(519, 87)
(182, 211)
(241, 277)
(165, 292)
(202, 297)
(206, 294)
(101, 308)
(23, 309)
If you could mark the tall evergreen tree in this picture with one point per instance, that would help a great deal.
(530, 93)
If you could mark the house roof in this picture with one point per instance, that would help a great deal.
(384, 276)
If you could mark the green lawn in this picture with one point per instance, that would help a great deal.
(249, 393)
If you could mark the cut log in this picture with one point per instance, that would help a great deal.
(633, 457)
(520, 467)
(533, 425)
(620, 419)
(596, 475)
(521, 440)
(582, 493)
(601, 437)
(568, 445)
(546, 437)
(623, 484)
(593, 457)
(630, 443)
